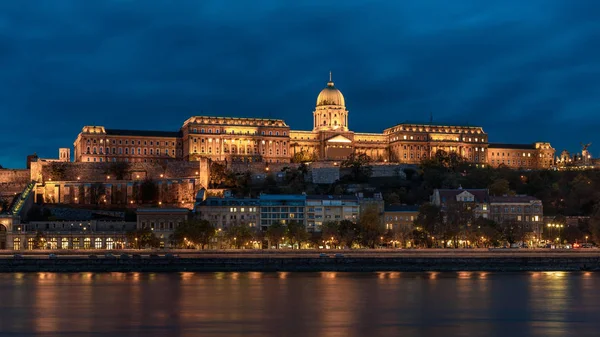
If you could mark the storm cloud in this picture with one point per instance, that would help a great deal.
(524, 70)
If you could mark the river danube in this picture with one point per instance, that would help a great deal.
(300, 304)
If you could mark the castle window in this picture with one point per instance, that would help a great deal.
(145, 143)
(277, 133)
(132, 150)
(88, 150)
(121, 150)
(150, 143)
(151, 151)
(140, 143)
(195, 130)
(140, 151)
(126, 150)
(284, 133)
(94, 150)
(209, 130)
(201, 130)
(114, 150)
(270, 133)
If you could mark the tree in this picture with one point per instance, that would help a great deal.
(370, 226)
(349, 233)
(500, 187)
(275, 233)
(39, 242)
(296, 231)
(194, 232)
(239, 234)
(142, 238)
(220, 176)
(458, 218)
(330, 231)
(360, 170)
(429, 219)
(148, 192)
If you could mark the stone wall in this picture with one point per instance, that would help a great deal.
(13, 181)
(14, 176)
(314, 264)
(92, 172)
(325, 175)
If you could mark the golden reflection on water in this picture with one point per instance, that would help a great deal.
(548, 299)
(283, 274)
(432, 275)
(328, 274)
(255, 275)
(464, 274)
(388, 275)
(186, 276)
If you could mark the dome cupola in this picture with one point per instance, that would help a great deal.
(330, 95)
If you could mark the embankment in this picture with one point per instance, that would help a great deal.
(301, 264)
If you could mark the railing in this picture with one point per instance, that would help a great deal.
(21, 199)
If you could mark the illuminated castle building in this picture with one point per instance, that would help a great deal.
(235, 139)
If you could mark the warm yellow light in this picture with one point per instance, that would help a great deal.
(107, 177)
(162, 175)
(160, 202)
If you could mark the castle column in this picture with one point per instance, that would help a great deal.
(108, 193)
(86, 194)
(129, 193)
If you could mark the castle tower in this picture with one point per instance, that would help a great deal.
(64, 154)
(330, 113)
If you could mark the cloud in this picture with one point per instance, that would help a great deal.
(525, 71)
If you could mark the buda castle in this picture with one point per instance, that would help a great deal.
(235, 139)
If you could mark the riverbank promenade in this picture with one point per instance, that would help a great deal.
(497, 260)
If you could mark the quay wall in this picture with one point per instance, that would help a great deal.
(303, 264)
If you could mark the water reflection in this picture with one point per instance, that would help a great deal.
(300, 304)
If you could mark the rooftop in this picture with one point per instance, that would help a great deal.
(513, 199)
(481, 195)
(331, 197)
(401, 208)
(142, 133)
(511, 146)
(162, 210)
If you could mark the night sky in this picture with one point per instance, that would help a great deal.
(523, 70)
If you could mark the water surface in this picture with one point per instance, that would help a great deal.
(300, 304)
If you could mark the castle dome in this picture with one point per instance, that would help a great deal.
(330, 95)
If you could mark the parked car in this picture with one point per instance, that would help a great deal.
(17, 256)
(339, 255)
(93, 256)
(171, 256)
(136, 256)
(52, 256)
(124, 256)
(323, 255)
(109, 256)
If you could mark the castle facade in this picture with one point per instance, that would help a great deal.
(272, 141)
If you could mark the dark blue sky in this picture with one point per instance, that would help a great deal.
(524, 70)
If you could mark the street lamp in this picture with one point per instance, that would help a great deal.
(586, 237)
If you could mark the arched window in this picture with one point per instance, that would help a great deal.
(17, 243)
(87, 243)
(30, 244)
(110, 244)
(98, 243)
(64, 243)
